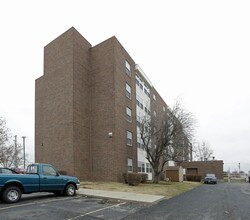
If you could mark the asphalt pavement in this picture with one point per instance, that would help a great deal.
(222, 201)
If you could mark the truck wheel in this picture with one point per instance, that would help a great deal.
(12, 194)
(70, 190)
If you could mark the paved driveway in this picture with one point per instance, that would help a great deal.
(207, 202)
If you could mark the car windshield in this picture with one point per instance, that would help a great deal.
(210, 175)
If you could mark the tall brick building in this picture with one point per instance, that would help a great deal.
(88, 103)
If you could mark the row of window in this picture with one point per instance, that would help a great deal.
(139, 103)
(139, 100)
(139, 82)
(129, 113)
(144, 88)
(139, 140)
(142, 166)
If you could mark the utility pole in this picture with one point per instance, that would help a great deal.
(239, 167)
(23, 137)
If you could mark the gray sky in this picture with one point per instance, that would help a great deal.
(197, 51)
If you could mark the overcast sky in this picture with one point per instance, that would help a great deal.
(197, 51)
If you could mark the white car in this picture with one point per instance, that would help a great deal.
(210, 178)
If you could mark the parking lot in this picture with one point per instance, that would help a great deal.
(208, 201)
(47, 206)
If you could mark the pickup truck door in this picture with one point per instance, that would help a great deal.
(50, 180)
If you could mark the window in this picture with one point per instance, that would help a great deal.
(127, 68)
(138, 124)
(139, 142)
(139, 101)
(138, 121)
(129, 114)
(137, 81)
(48, 171)
(128, 91)
(143, 167)
(32, 169)
(141, 86)
(155, 113)
(154, 97)
(164, 109)
(148, 168)
(129, 138)
(130, 165)
(139, 166)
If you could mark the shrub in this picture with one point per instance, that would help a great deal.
(125, 177)
(194, 178)
(133, 179)
(144, 177)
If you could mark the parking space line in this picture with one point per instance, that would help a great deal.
(33, 203)
(98, 210)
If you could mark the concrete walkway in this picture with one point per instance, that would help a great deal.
(121, 195)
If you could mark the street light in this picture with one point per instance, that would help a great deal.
(23, 137)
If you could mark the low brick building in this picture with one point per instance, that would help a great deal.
(203, 167)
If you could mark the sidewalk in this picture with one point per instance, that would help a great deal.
(121, 195)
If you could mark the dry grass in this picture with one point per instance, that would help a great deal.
(167, 189)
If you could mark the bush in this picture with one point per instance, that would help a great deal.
(194, 178)
(133, 179)
(125, 177)
(144, 177)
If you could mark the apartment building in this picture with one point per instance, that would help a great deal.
(88, 103)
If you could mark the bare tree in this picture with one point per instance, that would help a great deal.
(167, 139)
(203, 151)
(10, 152)
(4, 132)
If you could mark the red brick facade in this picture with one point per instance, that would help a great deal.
(203, 167)
(80, 108)
(80, 99)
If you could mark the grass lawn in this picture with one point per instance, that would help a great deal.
(167, 189)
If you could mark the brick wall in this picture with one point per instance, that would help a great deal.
(80, 99)
(204, 167)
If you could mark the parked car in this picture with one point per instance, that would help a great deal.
(4, 170)
(210, 178)
(38, 178)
